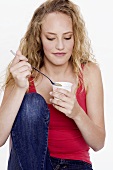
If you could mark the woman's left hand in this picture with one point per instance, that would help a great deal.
(65, 101)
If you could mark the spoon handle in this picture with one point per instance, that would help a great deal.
(43, 74)
(35, 69)
(56, 84)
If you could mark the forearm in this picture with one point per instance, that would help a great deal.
(93, 134)
(8, 112)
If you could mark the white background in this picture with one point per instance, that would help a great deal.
(98, 15)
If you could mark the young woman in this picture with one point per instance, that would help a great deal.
(53, 130)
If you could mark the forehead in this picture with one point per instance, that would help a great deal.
(57, 21)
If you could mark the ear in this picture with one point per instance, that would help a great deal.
(74, 88)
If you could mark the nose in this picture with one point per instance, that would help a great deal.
(59, 45)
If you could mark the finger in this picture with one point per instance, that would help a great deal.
(62, 109)
(74, 89)
(18, 58)
(23, 75)
(59, 96)
(61, 103)
(22, 69)
(17, 74)
(18, 52)
(63, 91)
(22, 57)
(19, 65)
(57, 102)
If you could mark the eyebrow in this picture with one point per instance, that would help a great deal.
(56, 34)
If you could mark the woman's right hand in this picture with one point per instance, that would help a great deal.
(20, 70)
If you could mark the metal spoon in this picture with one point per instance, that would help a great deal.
(56, 84)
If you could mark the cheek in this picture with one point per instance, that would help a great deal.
(47, 47)
(70, 46)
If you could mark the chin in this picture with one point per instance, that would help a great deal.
(60, 63)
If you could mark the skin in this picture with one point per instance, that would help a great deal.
(57, 40)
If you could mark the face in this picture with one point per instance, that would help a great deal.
(57, 38)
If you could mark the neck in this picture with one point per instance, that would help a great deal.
(56, 72)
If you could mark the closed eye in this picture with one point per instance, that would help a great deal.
(50, 39)
(67, 38)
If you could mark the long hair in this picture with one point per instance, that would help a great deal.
(31, 45)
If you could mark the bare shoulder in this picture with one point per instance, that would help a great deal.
(92, 74)
(91, 68)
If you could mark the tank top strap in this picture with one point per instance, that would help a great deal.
(32, 88)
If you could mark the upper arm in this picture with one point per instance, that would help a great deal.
(94, 94)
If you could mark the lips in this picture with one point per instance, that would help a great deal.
(59, 54)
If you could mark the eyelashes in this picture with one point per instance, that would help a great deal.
(51, 39)
(67, 38)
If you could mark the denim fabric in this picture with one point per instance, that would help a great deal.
(62, 164)
(30, 139)
(30, 135)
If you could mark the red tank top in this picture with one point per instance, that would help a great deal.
(65, 140)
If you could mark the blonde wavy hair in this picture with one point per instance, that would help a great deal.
(31, 44)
